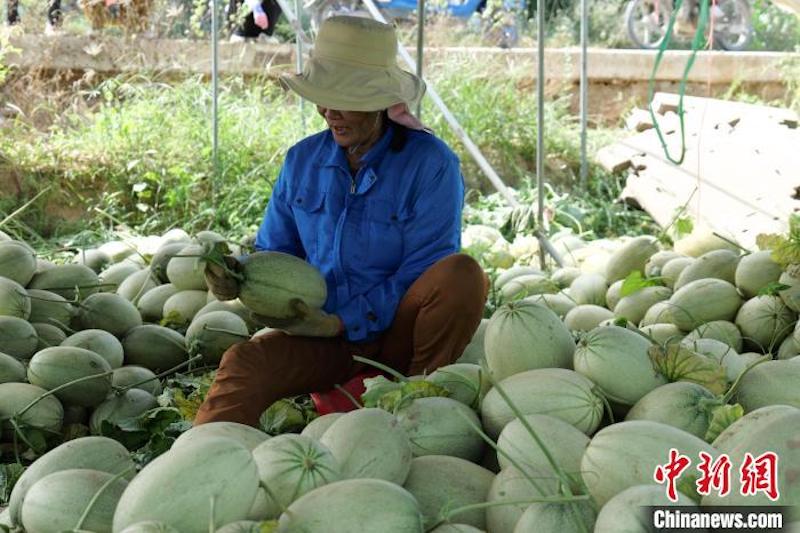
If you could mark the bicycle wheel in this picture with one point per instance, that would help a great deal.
(733, 28)
(646, 22)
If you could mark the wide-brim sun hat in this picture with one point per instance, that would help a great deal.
(353, 67)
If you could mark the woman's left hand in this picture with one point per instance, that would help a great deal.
(307, 322)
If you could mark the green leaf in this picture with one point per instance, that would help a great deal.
(9, 474)
(287, 415)
(722, 417)
(408, 392)
(684, 226)
(773, 289)
(678, 363)
(636, 282)
(376, 388)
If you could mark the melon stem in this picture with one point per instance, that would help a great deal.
(59, 389)
(380, 366)
(732, 391)
(97, 495)
(123, 390)
(349, 396)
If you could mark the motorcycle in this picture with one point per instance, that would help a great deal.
(646, 22)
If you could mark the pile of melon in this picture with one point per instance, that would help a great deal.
(553, 420)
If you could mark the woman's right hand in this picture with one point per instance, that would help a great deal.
(219, 280)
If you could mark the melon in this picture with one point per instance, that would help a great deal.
(14, 300)
(575, 517)
(617, 360)
(18, 338)
(563, 442)
(48, 336)
(69, 281)
(137, 284)
(118, 250)
(50, 308)
(441, 426)
(59, 365)
(700, 241)
(150, 526)
(11, 370)
(17, 261)
(560, 303)
(634, 307)
(232, 306)
(790, 296)
(662, 333)
(47, 414)
(511, 485)
(672, 270)
(370, 443)
(686, 406)
(369, 505)
(151, 304)
(589, 289)
(702, 301)
(586, 317)
(93, 258)
(181, 307)
(773, 429)
(121, 407)
(215, 467)
(515, 272)
(290, 466)
(456, 528)
(548, 391)
(175, 235)
(99, 341)
(317, 427)
(95, 453)
(466, 382)
(443, 483)
(527, 285)
(718, 264)
(525, 336)
(162, 257)
(788, 348)
(109, 312)
(247, 436)
(626, 454)
(213, 333)
(241, 526)
(764, 322)
(755, 271)
(186, 269)
(659, 313)
(141, 377)
(474, 352)
(770, 383)
(614, 294)
(57, 502)
(652, 269)
(564, 276)
(154, 347)
(624, 513)
(631, 257)
(721, 330)
(112, 277)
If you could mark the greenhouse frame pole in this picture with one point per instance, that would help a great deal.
(540, 16)
(584, 92)
(420, 46)
(214, 96)
(299, 67)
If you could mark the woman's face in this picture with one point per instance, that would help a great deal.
(352, 128)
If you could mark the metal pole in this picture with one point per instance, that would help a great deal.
(584, 110)
(540, 123)
(420, 45)
(299, 66)
(214, 94)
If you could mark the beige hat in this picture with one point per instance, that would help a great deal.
(353, 67)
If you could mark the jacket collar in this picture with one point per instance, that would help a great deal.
(334, 155)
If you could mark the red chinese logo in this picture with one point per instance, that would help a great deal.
(716, 475)
(671, 472)
(760, 474)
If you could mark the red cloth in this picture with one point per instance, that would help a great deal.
(335, 401)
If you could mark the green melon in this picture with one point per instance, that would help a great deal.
(441, 426)
(548, 391)
(702, 301)
(672, 270)
(95, 453)
(162, 257)
(788, 348)
(18, 338)
(525, 336)
(17, 261)
(151, 304)
(118, 250)
(57, 502)
(93, 258)
(614, 294)
(186, 269)
(112, 277)
(59, 365)
(443, 483)
(624, 512)
(273, 279)
(50, 308)
(701, 241)
(586, 317)
(14, 300)
(137, 284)
(216, 468)
(181, 307)
(559, 303)
(126, 376)
(632, 256)
(291, 466)
(466, 382)
(242, 526)
(721, 330)
(718, 264)
(791, 296)
(47, 414)
(121, 408)
(626, 454)
(474, 352)
(213, 333)
(150, 526)
(564, 276)
(527, 285)
(100, 342)
(11, 370)
(510, 485)
(247, 436)
(756, 271)
(662, 333)
(232, 306)
(175, 235)
(575, 517)
(369, 443)
(317, 427)
(456, 528)
(659, 313)
(589, 289)
(515, 272)
(764, 322)
(654, 265)
(686, 406)
(48, 336)
(154, 347)
(68, 281)
(634, 307)
(770, 383)
(109, 312)
(617, 360)
(354, 506)
(720, 352)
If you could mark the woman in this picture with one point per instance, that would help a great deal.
(374, 202)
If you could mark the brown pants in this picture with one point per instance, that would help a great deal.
(433, 324)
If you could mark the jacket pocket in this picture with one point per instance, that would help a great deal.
(387, 228)
(308, 206)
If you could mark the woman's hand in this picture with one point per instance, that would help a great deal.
(219, 280)
(307, 322)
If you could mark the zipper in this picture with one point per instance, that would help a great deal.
(352, 184)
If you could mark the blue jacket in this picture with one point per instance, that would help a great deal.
(373, 234)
